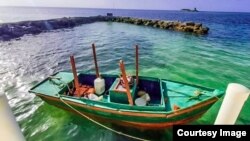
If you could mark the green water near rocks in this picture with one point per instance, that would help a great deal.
(200, 60)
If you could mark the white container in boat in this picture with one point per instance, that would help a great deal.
(99, 85)
(146, 97)
(140, 102)
(93, 97)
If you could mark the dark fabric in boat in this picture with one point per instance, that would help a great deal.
(152, 88)
(108, 82)
(87, 79)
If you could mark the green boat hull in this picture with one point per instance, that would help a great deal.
(160, 113)
(130, 118)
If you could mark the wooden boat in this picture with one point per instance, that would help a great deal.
(167, 103)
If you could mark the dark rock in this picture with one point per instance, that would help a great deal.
(188, 29)
(33, 30)
(190, 23)
(198, 31)
(198, 25)
(179, 28)
(205, 30)
(164, 25)
(1, 31)
(149, 23)
(177, 23)
(156, 25)
(197, 28)
(201, 30)
(17, 33)
(127, 20)
(171, 25)
(161, 24)
(182, 25)
(155, 22)
(138, 22)
(144, 21)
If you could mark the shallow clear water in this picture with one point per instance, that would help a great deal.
(212, 60)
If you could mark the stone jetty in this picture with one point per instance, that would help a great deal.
(16, 30)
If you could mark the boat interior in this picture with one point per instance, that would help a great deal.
(131, 92)
(149, 85)
(164, 95)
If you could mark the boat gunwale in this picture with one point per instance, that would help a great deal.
(150, 78)
(113, 75)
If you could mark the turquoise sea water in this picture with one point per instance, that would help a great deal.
(212, 60)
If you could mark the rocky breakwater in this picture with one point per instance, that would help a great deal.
(10, 31)
(192, 27)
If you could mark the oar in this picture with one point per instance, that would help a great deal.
(124, 77)
(136, 64)
(95, 60)
(236, 95)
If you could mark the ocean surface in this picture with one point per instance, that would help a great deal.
(212, 60)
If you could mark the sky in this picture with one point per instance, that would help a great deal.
(202, 5)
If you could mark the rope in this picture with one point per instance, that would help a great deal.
(194, 97)
(110, 129)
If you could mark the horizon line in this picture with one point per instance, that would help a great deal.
(121, 9)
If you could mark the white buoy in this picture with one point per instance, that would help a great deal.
(9, 129)
(236, 95)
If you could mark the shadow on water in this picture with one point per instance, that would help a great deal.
(149, 134)
(157, 135)
(51, 123)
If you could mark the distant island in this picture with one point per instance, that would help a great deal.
(190, 10)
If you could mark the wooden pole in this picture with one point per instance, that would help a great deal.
(122, 67)
(72, 61)
(137, 64)
(95, 60)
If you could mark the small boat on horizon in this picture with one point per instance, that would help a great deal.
(135, 101)
(190, 10)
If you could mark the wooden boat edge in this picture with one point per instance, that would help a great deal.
(135, 112)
